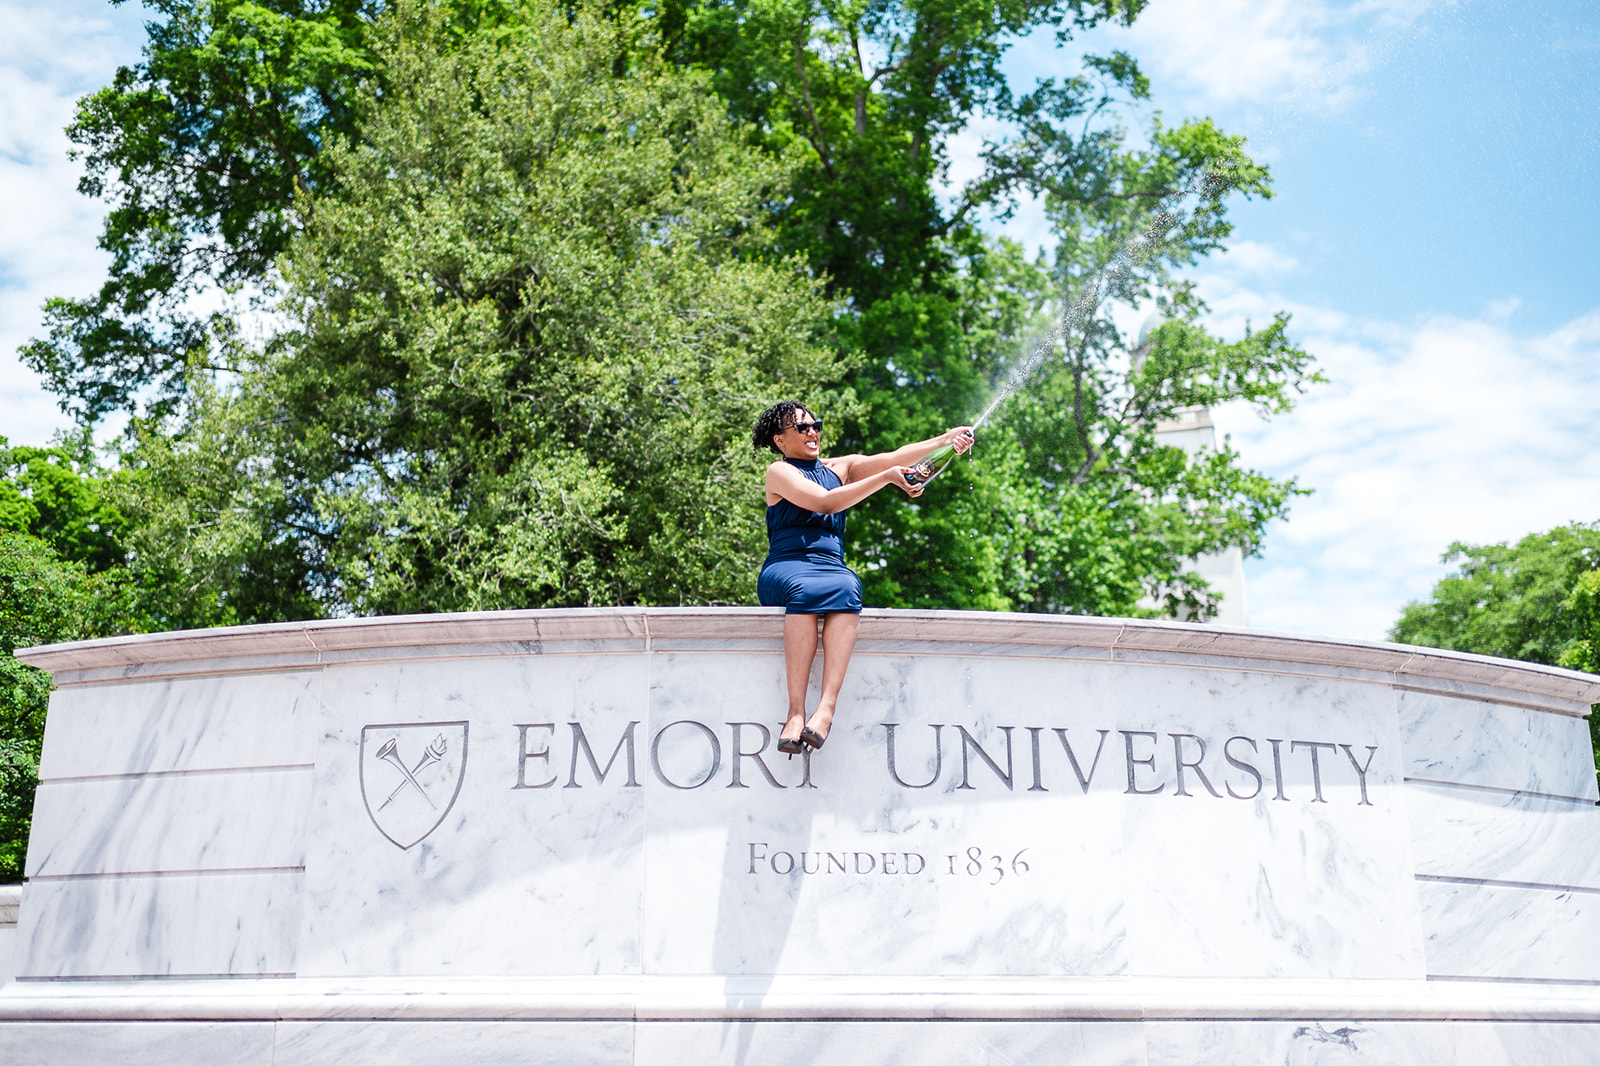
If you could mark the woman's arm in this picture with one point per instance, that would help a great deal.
(784, 481)
(853, 467)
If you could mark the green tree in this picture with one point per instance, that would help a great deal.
(212, 538)
(1583, 653)
(1583, 608)
(246, 122)
(201, 149)
(1091, 515)
(533, 325)
(61, 578)
(43, 599)
(1538, 600)
(146, 560)
(59, 495)
(1507, 600)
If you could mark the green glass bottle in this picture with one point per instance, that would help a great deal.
(931, 465)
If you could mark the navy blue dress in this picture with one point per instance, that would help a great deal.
(805, 572)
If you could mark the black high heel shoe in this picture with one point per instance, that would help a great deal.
(812, 737)
(792, 747)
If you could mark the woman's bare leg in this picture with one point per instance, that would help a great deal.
(799, 648)
(838, 642)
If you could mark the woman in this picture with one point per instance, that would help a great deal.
(805, 574)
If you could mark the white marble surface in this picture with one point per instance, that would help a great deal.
(530, 880)
(1312, 1042)
(1361, 1043)
(229, 820)
(780, 998)
(10, 901)
(1471, 742)
(1300, 1042)
(880, 895)
(1505, 836)
(135, 1043)
(1311, 875)
(162, 925)
(1290, 866)
(1356, 670)
(505, 1043)
(687, 874)
(1494, 931)
(283, 646)
(205, 723)
(1517, 1043)
(891, 1043)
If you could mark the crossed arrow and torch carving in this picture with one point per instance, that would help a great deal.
(435, 751)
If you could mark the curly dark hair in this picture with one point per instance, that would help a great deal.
(774, 420)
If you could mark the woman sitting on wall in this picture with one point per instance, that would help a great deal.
(807, 497)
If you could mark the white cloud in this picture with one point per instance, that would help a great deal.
(1262, 66)
(1253, 257)
(47, 248)
(49, 56)
(1446, 430)
(76, 43)
(1502, 310)
(1291, 54)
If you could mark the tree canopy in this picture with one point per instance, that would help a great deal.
(442, 304)
(1507, 600)
(1069, 505)
(527, 333)
(200, 150)
(1582, 608)
(530, 270)
(61, 578)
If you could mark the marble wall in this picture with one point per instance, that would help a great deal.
(10, 904)
(1508, 841)
(595, 796)
(1335, 1042)
(166, 810)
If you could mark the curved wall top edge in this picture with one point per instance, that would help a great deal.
(296, 644)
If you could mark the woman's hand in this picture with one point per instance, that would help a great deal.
(897, 476)
(853, 468)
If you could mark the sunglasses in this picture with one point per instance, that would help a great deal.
(807, 427)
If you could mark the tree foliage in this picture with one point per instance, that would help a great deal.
(1582, 608)
(201, 149)
(59, 495)
(530, 328)
(523, 339)
(1507, 600)
(1070, 505)
(61, 578)
(1537, 600)
(43, 599)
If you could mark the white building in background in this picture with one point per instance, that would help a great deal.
(1191, 429)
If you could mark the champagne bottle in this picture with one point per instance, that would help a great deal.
(931, 465)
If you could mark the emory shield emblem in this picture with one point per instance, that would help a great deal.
(411, 774)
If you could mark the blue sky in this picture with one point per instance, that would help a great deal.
(1434, 234)
(1451, 166)
(1437, 170)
